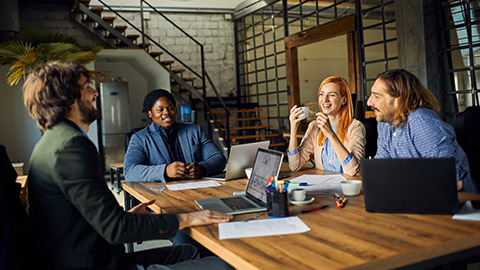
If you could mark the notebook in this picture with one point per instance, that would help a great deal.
(241, 157)
(423, 186)
(267, 163)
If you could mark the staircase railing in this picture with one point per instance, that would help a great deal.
(203, 75)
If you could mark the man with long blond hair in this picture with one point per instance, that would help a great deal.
(336, 140)
(409, 126)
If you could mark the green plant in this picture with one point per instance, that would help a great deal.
(34, 48)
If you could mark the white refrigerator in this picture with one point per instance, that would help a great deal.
(115, 120)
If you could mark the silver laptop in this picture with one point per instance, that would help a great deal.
(267, 163)
(241, 157)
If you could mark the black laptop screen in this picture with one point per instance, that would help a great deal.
(267, 163)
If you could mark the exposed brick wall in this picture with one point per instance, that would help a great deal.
(212, 30)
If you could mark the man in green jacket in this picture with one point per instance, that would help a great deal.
(78, 221)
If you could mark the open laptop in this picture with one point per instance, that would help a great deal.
(423, 186)
(267, 163)
(241, 157)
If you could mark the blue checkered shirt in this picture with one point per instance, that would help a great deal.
(425, 135)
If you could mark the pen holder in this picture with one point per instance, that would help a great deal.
(277, 204)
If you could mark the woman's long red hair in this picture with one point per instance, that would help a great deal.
(346, 113)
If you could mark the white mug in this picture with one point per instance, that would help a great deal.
(298, 194)
(304, 112)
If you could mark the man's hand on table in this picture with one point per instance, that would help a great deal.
(176, 169)
(141, 209)
(202, 218)
(193, 170)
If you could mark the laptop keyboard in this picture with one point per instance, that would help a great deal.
(237, 203)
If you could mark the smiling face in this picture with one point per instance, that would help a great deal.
(382, 103)
(163, 113)
(330, 100)
(86, 103)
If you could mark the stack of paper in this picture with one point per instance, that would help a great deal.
(262, 227)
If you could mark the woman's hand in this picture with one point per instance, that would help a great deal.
(141, 209)
(324, 124)
(294, 120)
(175, 169)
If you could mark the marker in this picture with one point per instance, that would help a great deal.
(295, 184)
(314, 209)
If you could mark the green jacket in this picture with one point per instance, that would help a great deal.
(78, 221)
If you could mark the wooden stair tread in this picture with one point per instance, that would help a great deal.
(167, 62)
(179, 70)
(242, 119)
(109, 20)
(254, 136)
(247, 127)
(200, 87)
(155, 54)
(133, 36)
(143, 46)
(237, 111)
(85, 2)
(276, 144)
(120, 28)
(189, 79)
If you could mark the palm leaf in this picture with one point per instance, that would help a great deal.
(81, 57)
(10, 51)
(37, 36)
(55, 51)
(19, 68)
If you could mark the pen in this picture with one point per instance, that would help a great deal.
(314, 209)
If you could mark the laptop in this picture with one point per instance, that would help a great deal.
(267, 163)
(241, 157)
(421, 186)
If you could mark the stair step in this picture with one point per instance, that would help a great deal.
(109, 20)
(85, 2)
(200, 87)
(179, 70)
(276, 144)
(133, 38)
(241, 119)
(248, 127)
(237, 111)
(155, 54)
(254, 136)
(190, 79)
(167, 62)
(143, 46)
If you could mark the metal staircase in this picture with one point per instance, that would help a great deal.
(118, 32)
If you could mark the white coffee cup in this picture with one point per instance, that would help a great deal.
(248, 172)
(304, 112)
(351, 187)
(298, 194)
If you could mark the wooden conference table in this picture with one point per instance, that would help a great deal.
(339, 238)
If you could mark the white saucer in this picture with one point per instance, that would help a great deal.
(307, 201)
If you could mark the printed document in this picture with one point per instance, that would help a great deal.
(193, 185)
(317, 184)
(467, 212)
(261, 227)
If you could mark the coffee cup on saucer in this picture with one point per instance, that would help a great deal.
(298, 194)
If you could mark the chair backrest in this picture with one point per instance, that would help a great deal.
(129, 135)
(371, 136)
(467, 129)
(14, 222)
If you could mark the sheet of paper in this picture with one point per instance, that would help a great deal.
(262, 227)
(329, 183)
(467, 212)
(193, 185)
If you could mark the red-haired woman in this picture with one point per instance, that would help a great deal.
(336, 140)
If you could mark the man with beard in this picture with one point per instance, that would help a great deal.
(409, 127)
(76, 219)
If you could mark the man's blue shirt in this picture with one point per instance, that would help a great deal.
(425, 135)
